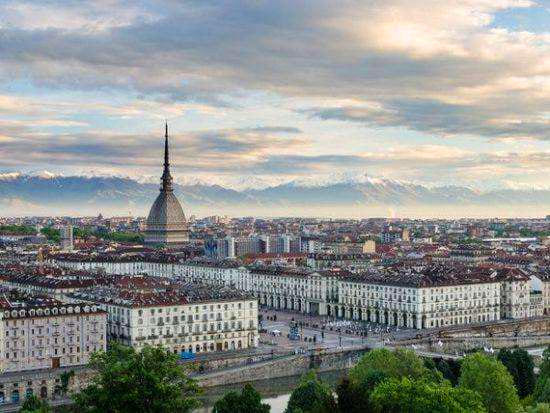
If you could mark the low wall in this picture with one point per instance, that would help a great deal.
(283, 366)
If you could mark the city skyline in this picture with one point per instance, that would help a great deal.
(260, 94)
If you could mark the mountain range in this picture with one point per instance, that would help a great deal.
(45, 194)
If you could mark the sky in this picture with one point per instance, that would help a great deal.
(262, 92)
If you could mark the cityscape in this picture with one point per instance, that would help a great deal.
(241, 207)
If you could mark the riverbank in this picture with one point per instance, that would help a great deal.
(275, 392)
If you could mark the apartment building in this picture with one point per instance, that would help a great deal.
(181, 317)
(39, 332)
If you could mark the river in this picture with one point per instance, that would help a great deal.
(276, 392)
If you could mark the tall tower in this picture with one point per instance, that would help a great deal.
(67, 238)
(166, 223)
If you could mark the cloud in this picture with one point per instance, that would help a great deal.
(439, 118)
(444, 69)
(207, 150)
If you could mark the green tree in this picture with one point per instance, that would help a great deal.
(539, 408)
(420, 396)
(492, 381)
(148, 381)
(311, 396)
(51, 234)
(541, 392)
(355, 397)
(375, 367)
(249, 401)
(65, 379)
(522, 368)
(17, 230)
(395, 364)
(33, 404)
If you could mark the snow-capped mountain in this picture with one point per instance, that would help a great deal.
(55, 194)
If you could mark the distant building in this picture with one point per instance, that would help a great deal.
(66, 234)
(225, 247)
(369, 247)
(166, 223)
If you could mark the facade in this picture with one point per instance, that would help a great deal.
(420, 300)
(191, 318)
(286, 289)
(449, 295)
(166, 223)
(41, 332)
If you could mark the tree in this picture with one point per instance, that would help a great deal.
(51, 234)
(541, 392)
(539, 408)
(377, 366)
(419, 396)
(491, 380)
(395, 364)
(311, 396)
(33, 404)
(249, 401)
(354, 397)
(149, 381)
(450, 369)
(65, 379)
(522, 368)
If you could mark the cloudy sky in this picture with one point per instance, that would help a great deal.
(429, 91)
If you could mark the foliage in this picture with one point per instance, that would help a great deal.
(374, 368)
(492, 381)
(147, 381)
(541, 392)
(33, 404)
(130, 237)
(394, 364)
(419, 396)
(450, 369)
(249, 401)
(521, 366)
(311, 396)
(355, 397)
(17, 230)
(65, 379)
(542, 389)
(81, 233)
(539, 408)
(51, 234)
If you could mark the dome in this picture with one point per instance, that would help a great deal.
(166, 212)
(166, 224)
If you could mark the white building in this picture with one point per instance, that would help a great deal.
(192, 318)
(41, 332)
(339, 293)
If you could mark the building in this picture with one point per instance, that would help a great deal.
(181, 317)
(369, 247)
(66, 234)
(225, 248)
(420, 298)
(166, 223)
(39, 332)
(449, 294)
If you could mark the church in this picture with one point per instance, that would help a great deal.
(166, 223)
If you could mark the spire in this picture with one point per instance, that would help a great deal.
(166, 177)
(166, 160)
